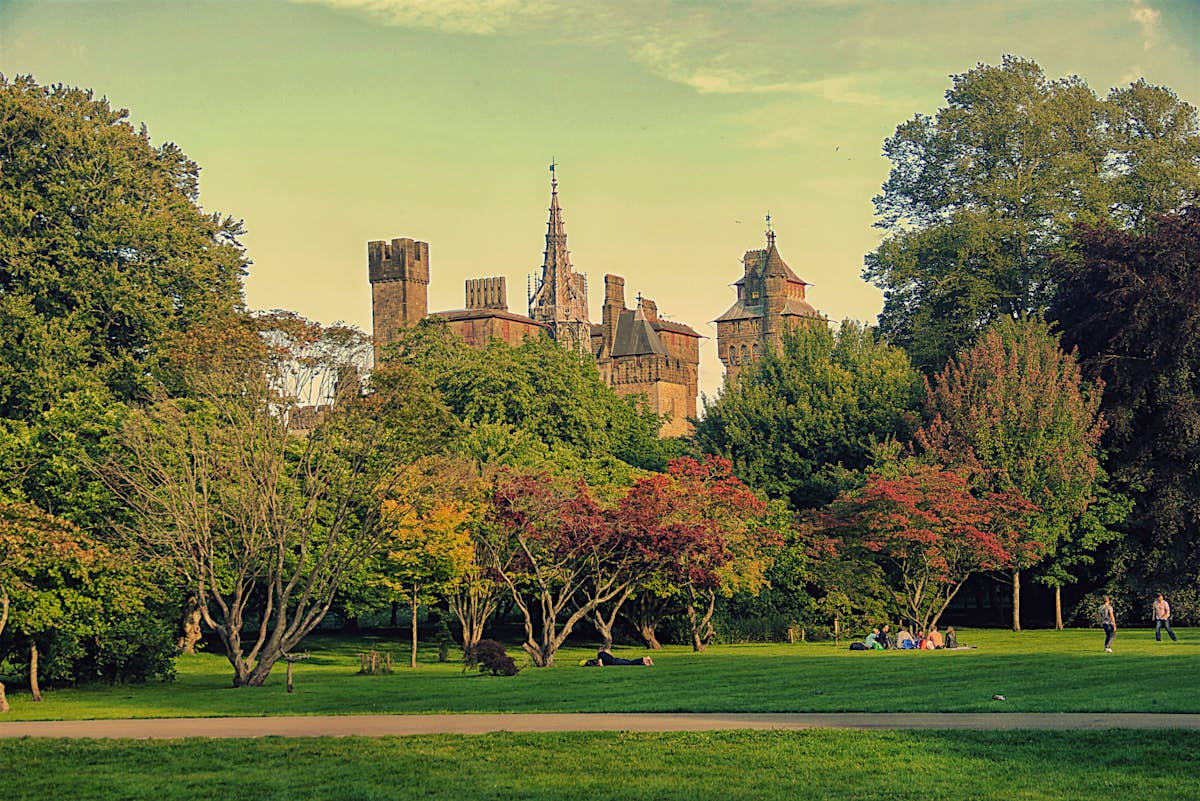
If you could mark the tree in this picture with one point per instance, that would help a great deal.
(104, 250)
(1013, 413)
(1130, 305)
(552, 394)
(428, 546)
(929, 529)
(724, 545)
(981, 196)
(266, 508)
(552, 546)
(60, 591)
(799, 422)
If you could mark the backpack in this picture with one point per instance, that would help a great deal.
(858, 646)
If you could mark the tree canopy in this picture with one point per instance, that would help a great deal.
(104, 250)
(1130, 304)
(982, 194)
(801, 419)
(539, 391)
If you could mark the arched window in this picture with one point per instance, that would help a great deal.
(745, 353)
(733, 354)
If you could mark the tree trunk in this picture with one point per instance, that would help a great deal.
(33, 669)
(645, 618)
(191, 627)
(701, 625)
(604, 622)
(3, 699)
(413, 661)
(1016, 585)
(291, 686)
(395, 609)
(1058, 624)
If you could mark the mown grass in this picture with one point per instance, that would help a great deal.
(1037, 671)
(930, 766)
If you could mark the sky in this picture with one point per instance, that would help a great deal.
(676, 126)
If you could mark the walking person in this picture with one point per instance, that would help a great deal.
(1162, 619)
(1108, 622)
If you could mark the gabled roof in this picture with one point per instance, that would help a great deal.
(635, 336)
(739, 311)
(798, 308)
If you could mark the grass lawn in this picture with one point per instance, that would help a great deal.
(924, 766)
(1038, 671)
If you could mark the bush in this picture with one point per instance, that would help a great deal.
(489, 656)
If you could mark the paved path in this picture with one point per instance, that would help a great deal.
(381, 725)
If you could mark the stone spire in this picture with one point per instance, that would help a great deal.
(560, 299)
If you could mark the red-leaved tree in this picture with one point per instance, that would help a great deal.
(722, 545)
(557, 550)
(930, 531)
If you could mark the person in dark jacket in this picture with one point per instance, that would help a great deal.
(605, 658)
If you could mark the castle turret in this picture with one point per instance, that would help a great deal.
(399, 273)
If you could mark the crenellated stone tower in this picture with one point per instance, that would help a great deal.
(399, 273)
(560, 300)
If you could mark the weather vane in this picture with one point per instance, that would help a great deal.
(770, 231)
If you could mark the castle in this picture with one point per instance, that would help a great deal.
(770, 299)
(636, 351)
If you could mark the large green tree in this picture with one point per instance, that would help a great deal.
(539, 392)
(265, 507)
(104, 249)
(1013, 412)
(801, 421)
(1131, 306)
(982, 194)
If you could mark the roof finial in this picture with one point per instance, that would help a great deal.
(553, 177)
(770, 231)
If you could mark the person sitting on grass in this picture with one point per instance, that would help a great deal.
(904, 640)
(872, 641)
(951, 637)
(935, 637)
(605, 658)
(885, 638)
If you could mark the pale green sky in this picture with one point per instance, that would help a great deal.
(676, 125)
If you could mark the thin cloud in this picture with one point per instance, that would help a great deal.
(473, 17)
(1148, 19)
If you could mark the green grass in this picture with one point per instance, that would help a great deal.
(1038, 671)
(924, 766)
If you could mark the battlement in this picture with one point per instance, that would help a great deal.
(398, 260)
(487, 293)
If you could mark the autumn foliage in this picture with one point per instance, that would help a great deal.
(931, 531)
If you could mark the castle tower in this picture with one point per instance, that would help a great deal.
(560, 299)
(399, 273)
(770, 300)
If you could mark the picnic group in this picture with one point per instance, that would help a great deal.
(882, 639)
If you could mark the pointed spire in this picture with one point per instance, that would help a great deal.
(770, 232)
(561, 295)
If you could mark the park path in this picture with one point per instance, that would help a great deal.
(400, 725)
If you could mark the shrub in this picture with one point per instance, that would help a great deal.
(489, 657)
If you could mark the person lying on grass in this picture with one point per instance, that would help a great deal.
(605, 658)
